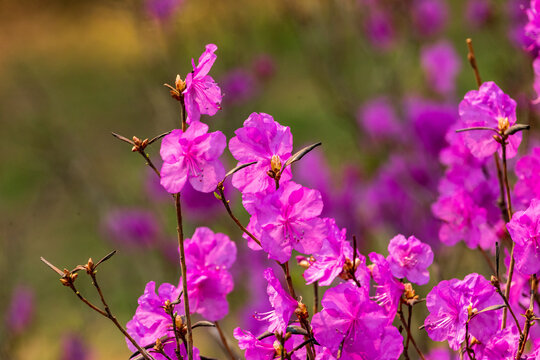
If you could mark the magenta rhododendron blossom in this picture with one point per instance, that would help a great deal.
(329, 260)
(380, 29)
(209, 257)
(289, 219)
(448, 304)
(162, 10)
(501, 346)
(255, 349)
(192, 156)
(410, 258)
(151, 322)
(202, 95)
(488, 107)
(528, 173)
(239, 86)
(389, 289)
(524, 228)
(264, 140)
(350, 317)
(282, 303)
(441, 65)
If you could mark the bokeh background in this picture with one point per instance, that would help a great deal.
(73, 72)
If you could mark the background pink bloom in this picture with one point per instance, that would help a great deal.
(192, 156)
(441, 65)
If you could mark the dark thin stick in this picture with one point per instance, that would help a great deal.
(235, 219)
(315, 297)
(149, 162)
(477, 128)
(498, 290)
(509, 210)
(176, 335)
(529, 315)
(224, 341)
(404, 322)
(183, 115)
(488, 260)
(180, 232)
(472, 61)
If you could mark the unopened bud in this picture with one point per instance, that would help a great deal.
(179, 84)
(301, 311)
(89, 267)
(504, 124)
(495, 281)
(179, 322)
(275, 164)
(409, 292)
(159, 346)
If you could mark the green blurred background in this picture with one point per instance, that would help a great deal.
(72, 72)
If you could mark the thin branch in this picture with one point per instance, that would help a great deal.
(404, 322)
(224, 340)
(472, 61)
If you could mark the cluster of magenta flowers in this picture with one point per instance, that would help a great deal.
(357, 315)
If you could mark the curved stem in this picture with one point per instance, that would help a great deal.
(409, 335)
(510, 213)
(224, 341)
(180, 232)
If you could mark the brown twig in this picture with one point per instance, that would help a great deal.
(409, 335)
(510, 213)
(224, 341)
(225, 202)
(180, 232)
(315, 297)
(488, 260)
(529, 316)
(472, 61)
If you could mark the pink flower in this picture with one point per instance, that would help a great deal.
(329, 260)
(488, 107)
(524, 228)
(528, 173)
(208, 259)
(410, 258)
(389, 289)
(379, 119)
(289, 219)
(202, 95)
(282, 303)
(448, 305)
(263, 140)
(255, 349)
(132, 227)
(350, 317)
(441, 65)
(151, 322)
(192, 155)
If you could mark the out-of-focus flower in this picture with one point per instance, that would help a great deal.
(532, 28)
(430, 121)
(488, 107)
(441, 65)
(269, 143)
(192, 156)
(379, 29)
(478, 12)
(20, 312)
(527, 170)
(536, 85)
(282, 303)
(238, 86)
(202, 95)
(350, 318)
(449, 304)
(264, 66)
(132, 227)
(289, 218)
(329, 260)
(209, 257)
(74, 348)
(430, 16)
(410, 258)
(162, 10)
(524, 228)
(389, 289)
(378, 119)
